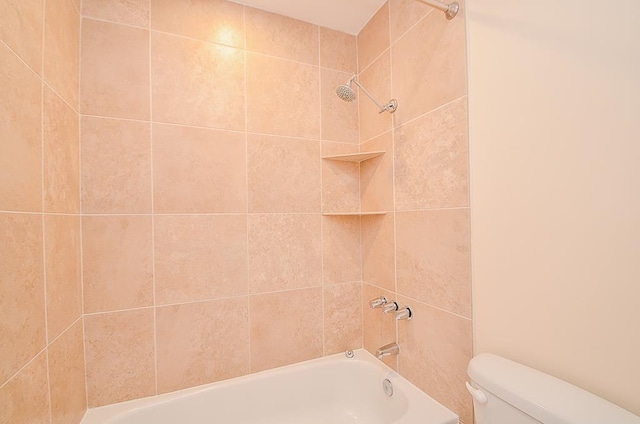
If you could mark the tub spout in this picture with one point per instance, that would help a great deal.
(388, 350)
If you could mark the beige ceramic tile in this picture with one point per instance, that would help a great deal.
(200, 343)
(285, 252)
(286, 327)
(429, 66)
(341, 249)
(21, 27)
(282, 97)
(66, 377)
(432, 160)
(62, 268)
(376, 80)
(61, 155)
(217, 21)
(338, 50)
(118, 270)
(21, 292)
(20, 126)
(373, 39)
(119, 356)
(281, 36)
(340, 180)
(200, 257)
(283, 174)
(342, 317)
(403, 14)
(433, 262)
(116, 166)
(197, 83)
(378, 250)
(129, 12)
(376, 175)
(115, 70)
(198, 170)
(25, 399)
(339, 118)
(436, 348)
(62, 49)
(378, 329)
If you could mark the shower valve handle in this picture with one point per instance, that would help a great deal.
(390, 307)
(378, 302)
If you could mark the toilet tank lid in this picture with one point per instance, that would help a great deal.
(542, 396)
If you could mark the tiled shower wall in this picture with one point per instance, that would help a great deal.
(205, 254)
(41, 350)
(418, 253)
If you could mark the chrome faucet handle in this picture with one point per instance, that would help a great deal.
(390, 307)
(378, 303)
(404, 313)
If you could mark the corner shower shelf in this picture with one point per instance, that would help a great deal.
(354, 213)
(354, 157)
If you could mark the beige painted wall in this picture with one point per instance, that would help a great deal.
(555, 174)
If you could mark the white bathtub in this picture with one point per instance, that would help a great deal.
(330, 390)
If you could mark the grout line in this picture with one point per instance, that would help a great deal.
(246, 174)
(217, 43)
(39, 213)
(366, 68)
(115, 311)
(65, 330)
(22, 60)
(88, 115)
(429, 12)
(220, 129)
(452, 208)
(344, 283)
(393, 189)
(215, 299)
(470, 151)
(202, 214)
(322, 282)
(92, 18)
(391, 44)
(361, 246)
(198, 40)
(40, 352)
(29, 362)
(80, 119)
(153, 224)
(77, 7)
(40, 77)
(65, 101)
(423, 115)
(413, 299)
(42, 207)
(91, 214)
(442, 106)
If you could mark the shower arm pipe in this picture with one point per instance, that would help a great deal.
(451, 10)
(364, 90)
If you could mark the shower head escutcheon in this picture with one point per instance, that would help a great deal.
(346, 93)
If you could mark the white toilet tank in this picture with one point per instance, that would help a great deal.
(506, 392)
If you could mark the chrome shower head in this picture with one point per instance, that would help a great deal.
(345, 92)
